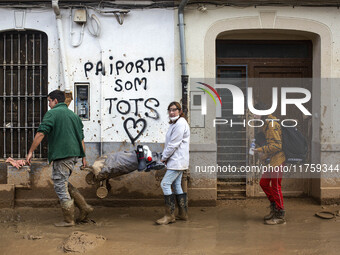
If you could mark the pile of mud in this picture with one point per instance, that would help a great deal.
(82, 242)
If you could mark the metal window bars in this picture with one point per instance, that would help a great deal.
(23, 91)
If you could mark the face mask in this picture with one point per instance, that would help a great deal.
(174, 118)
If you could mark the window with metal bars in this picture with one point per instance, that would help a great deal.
(23, 91)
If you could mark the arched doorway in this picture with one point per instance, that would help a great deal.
(241, 28)
(261, 62)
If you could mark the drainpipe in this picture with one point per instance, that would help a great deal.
(184, 76)
(68, 93)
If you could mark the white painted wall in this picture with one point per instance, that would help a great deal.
(144, 34)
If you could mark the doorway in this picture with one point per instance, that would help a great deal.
(248, 61)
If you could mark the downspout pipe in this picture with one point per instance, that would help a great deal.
(184, 76)
(56, 9)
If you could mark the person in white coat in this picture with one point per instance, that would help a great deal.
(176, 157)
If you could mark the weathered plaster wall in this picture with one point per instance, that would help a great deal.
(317, 24)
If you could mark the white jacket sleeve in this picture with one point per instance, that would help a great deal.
(176, 138)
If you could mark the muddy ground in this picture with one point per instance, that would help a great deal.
(233, 227)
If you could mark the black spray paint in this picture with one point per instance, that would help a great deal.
(140, 66)
(134, 122)
(125, 107)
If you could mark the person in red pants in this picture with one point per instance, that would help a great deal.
(271, 179)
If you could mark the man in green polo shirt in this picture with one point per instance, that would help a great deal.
(64, 131)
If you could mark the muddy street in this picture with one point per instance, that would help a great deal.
(233, 227)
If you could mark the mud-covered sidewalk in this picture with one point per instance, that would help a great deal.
(233, 227)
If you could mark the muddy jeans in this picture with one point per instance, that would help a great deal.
(172, 178)
(61, 171)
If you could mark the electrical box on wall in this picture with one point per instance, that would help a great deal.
(196, 118)
(80, 16)
(82, 100)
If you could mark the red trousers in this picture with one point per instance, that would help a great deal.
(271, 185)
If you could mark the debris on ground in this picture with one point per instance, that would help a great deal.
(86, 221)
(325, 215)
(82, 242)
(32, 237)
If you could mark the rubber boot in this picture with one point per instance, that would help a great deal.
(182, 202)
(79, 201)
(271, 213)
(67, 208)
(169, 216)
(278, 218)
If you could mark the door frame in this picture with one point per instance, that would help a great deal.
(253, 188)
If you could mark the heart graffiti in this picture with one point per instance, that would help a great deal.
(134, 122)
